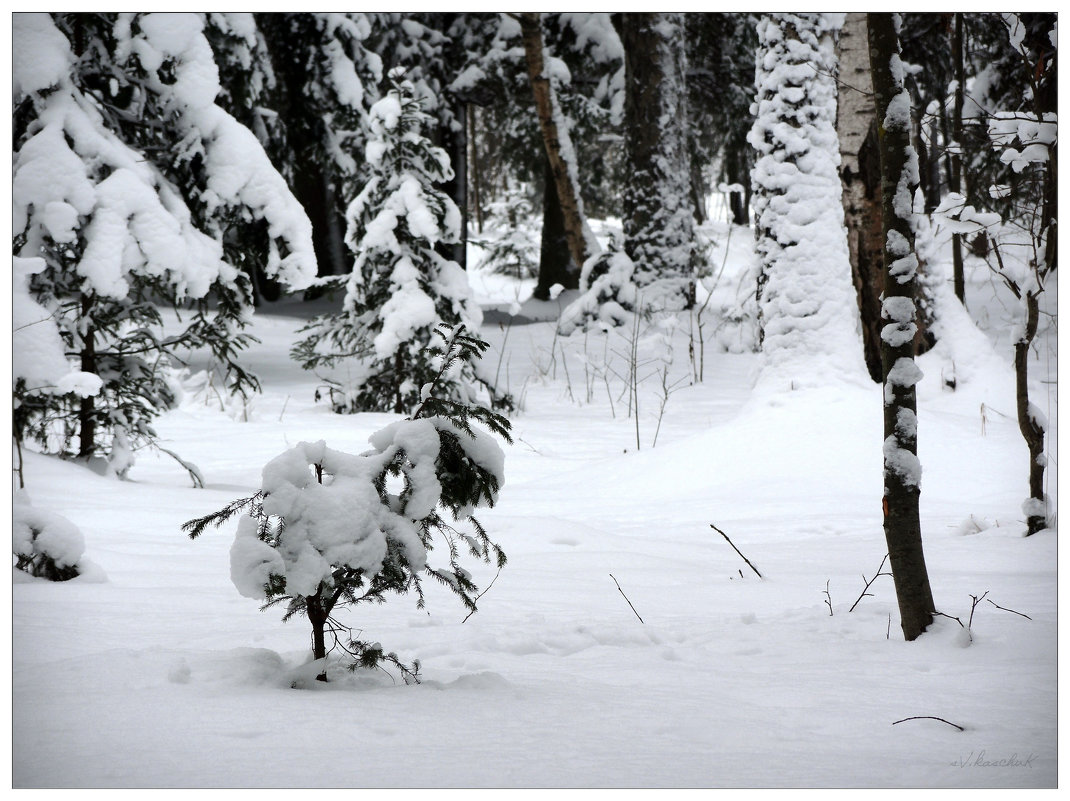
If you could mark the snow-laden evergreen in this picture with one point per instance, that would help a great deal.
(127, 178)
(46, 545)
(400, 287)
(329, 529)
(806, 301)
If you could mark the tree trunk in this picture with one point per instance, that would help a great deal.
(658, 218)
(860, 174)
(902, 470)
(555, 261)
(87, 416)
(956, 152)
(317, 616)
(1030, 427)
(736, 173)
(581, 243)
(473, 159)
(455, 142)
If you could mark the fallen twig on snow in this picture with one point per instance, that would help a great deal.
(734, 548)
(626, 597)
(931, 717)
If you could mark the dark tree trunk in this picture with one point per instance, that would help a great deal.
(902, 471)
(658, 214)
(455, 143)
(736, 173)
(1030, 426)
(87, 415)
(567, 192)
(956, 154)
(317, 616)
(313, 192)
(475, 172)
(555, 260)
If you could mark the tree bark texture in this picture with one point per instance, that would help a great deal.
(87, 415)
(956, 152)
(317, 615)
(1027, 423)
(658, 217)
(454, 140)
(555, 261)
(559, 150)
(856, 127)
(902, 470)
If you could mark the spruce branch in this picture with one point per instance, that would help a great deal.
(197, 526)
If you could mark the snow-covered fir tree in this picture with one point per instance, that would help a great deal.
(808, 320)
(46, 545)
(400, 287)
(127, 179)
(328, 530)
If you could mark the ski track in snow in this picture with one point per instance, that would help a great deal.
(164, 676)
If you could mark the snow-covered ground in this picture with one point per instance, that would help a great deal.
(159, 674)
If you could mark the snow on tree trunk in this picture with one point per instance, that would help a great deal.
(657, 212)
(808, 332)
(555, 136)
(856, 128)
(655, 271)
(902, 470)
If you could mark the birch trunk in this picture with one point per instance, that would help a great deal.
(860, 175)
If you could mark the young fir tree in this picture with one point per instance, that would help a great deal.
(400, 288)
(330, 529)
(127, 178)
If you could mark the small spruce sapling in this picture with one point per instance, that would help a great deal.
(329, 529)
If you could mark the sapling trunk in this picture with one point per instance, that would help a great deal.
(87, 418)
(1029, 426)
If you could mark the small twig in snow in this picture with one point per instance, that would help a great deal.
(930, 717)
(941, 614)
(865, 589)
(1005, 609)
(734, 548)
(625, 598)
(973, 607)
(828, 598)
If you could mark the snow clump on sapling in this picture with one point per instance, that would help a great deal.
(45, 544)
(330, 529)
